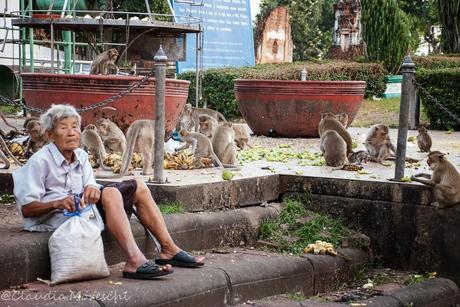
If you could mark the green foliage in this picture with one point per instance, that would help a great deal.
(386, 31)
(312, 24)
(295, 221)
(218, 90)
(417, 278)
(449, 12)
(171, 208)
(439, 61)
(7, 199)
(444, 85)
(423, 14)
(9, 109)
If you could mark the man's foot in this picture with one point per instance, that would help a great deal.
(181, 259)
(148, 270)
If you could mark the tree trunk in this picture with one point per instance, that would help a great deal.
(449, 15)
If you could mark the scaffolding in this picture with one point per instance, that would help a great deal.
(74, 26)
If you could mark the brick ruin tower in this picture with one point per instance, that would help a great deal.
(348, 43)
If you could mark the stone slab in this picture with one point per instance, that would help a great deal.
(24, 256)
(226, 279)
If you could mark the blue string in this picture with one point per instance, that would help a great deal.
(77, 201)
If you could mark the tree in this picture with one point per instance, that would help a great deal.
(423, 15)
(312, 23)
(449, 15)
(386, 32)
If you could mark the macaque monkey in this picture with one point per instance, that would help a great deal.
(196, 112)
(186, 120)
(201, 147)
(140, 137)
(223, 143)
(113, 138)
(378, 143)
(104, 63)
(359, 157)
(242, 136)
(343, 119)
(37, 136)
(445, 180)
(4, 158)
(330, 121)
(91, 141)
(423, 139)
(334, 148)
(207, 125)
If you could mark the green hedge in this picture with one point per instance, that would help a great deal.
(444, 86)
(437, 61)
(218, 90)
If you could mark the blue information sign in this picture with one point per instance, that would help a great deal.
(227, 33)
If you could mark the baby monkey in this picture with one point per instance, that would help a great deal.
(423, 139)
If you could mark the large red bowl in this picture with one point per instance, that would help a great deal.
(43, 89)
(293, 108)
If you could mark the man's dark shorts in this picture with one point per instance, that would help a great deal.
(127, 189)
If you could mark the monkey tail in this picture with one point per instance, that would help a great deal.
(8, 124)
(221, 117)
(2, 141)
(131, 135)
(216, 159)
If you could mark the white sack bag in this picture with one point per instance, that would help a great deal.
(76, 248)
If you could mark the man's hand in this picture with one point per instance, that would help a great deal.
(91, 195)
(67, 203)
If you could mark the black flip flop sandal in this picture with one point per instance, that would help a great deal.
(148, 270)
(181, 259)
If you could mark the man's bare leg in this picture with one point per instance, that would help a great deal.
(119, 227)
(151, 217)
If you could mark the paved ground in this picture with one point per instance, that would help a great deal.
(443, 141)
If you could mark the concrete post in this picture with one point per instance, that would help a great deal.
(407, 90)
(413, 109)
(160, 78)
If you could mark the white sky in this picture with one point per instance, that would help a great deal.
(254, 8)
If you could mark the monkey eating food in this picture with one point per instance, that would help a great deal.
(113, 138)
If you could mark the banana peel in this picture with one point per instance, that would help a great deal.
(320, 248)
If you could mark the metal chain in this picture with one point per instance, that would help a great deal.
(94, 106)
(432, 98)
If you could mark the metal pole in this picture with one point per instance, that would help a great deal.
(52, 46)
(407, 90)
(160, 80)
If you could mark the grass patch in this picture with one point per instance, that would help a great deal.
(298, 297)
(9, 109)
(296, 227)
(171, 208)
(7, 199)
(416, 278)
(384, 111)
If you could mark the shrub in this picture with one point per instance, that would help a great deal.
(386, 32)
(444, 86)
(437, 61)
(218, 90)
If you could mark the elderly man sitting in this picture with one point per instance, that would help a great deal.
(44, 186)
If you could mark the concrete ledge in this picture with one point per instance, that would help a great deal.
(24, 256)
(226, 279)
(329, 269)
(362, 189)
(403, 235)
(210, 196)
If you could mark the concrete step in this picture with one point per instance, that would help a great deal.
(226, 279)
(24, 255)
(438, 292)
